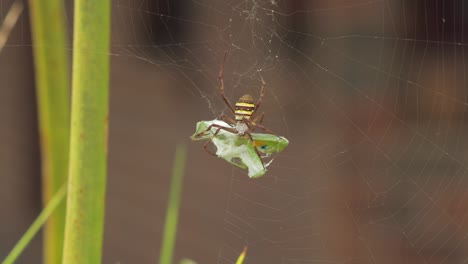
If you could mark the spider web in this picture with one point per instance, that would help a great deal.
(371, 95)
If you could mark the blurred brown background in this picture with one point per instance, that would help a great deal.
(371, 94)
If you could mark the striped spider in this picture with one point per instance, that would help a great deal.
(245, 114)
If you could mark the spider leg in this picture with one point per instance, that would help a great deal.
(258, 119)
(262, 93)
(205, 146)
(232, 130)
(221, 83)
(248, 123)
(227, 119)
(256, 123)
(266, 129)
(256, 150)
(251, 125)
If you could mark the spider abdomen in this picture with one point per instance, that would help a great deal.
(245, 108)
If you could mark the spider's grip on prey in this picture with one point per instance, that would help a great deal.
(245, 114)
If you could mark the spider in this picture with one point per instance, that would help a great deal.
(245, 115)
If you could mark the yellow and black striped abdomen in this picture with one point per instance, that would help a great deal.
(244, 108)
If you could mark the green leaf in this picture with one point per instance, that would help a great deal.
(172, 215)
(49, 32)
(51, 206)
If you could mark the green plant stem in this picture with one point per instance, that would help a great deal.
(88, 145)
(172, 214)
(52, 79)
(54, 202)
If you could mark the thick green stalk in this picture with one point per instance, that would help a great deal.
(53, 96)
(89, 123)
(172, 214)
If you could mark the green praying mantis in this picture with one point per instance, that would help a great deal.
(239, 150)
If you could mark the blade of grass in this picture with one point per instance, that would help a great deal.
(88, 140)
(241, 257)
(9, 22)
(53, 100)
(54, 202)
(172, 214)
